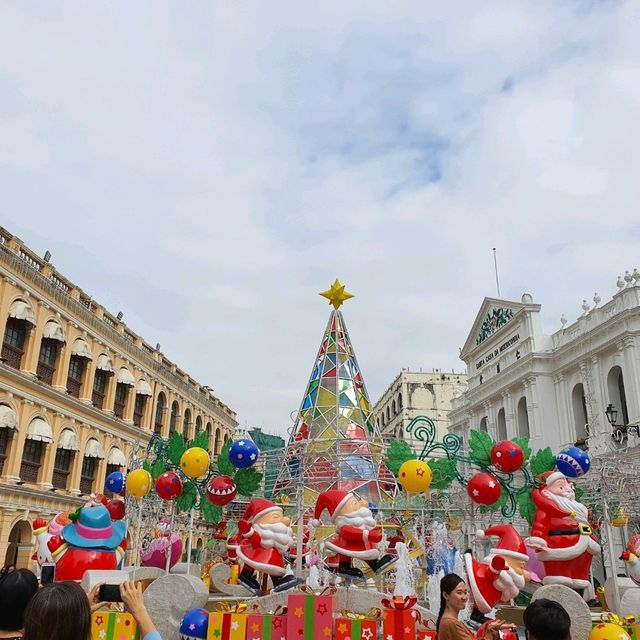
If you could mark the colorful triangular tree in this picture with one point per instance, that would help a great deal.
(335, 442)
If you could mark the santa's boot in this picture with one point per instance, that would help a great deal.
(248, 580)
(283, 583)
(386, 561)
(346, 570)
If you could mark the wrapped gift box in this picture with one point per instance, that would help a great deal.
(399, 618)
(227, 625)
(310, 616)
(266, 626)
(113, 625)
(351, 626)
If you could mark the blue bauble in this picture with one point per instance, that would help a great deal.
(244, 453)
(114, 482)
(573, 462)
(373, 507)
(194, 624)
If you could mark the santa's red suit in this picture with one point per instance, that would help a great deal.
(353, 542)
(566, 538)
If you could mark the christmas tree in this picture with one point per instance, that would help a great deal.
(335, 443)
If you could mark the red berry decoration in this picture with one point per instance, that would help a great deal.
(507, 456)
(116, 509)
(221, 490)
(484, 488)
(169, 485)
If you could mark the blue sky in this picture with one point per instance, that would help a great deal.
(208, 168)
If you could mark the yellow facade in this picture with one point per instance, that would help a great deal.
(78, 391)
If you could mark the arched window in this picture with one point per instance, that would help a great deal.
(93, 452)
(160, 409)
(483, 424)
(388, 414)
(21, 319)
(399, 401)
(394, 408)
(523, 418)
(580, 418)
(65, 454)
(186, 424)
(198, 425)
(173, 420)
(617, 395)
(209, 434)
(216, 442)
(502, 425)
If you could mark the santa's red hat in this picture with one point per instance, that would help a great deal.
(332, 500)
(259, 507)
(511, 543)
(549, 477)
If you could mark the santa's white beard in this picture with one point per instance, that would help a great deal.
(362, 519)
(277, 535)
(568, 503)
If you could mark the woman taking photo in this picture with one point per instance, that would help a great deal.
(453, 599)
(16, 590)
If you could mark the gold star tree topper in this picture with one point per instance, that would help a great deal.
(336, 295)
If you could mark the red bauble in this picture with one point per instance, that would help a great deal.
(507, 456)
(484, 488)
(221, 490)
(116, 509)
(169, 485)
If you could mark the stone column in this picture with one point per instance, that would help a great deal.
(509, 415)
(32, 343)
(110, 393)
(127, 416)
(530, 394)
(631, 380)
(491, 422)
(86, 390)
(565, 412)
(62, 370)
(48, 460)
(78, 459)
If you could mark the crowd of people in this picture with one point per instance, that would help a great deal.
(61, 610)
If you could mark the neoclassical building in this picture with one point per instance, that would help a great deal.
(78, 389)
(555, 388)
(417, 393)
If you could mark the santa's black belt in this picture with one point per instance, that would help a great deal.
(583, 530)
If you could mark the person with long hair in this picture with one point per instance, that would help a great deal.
(16, 590)
(62, 611)
(453, 599)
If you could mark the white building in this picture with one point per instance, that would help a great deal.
(417, 393)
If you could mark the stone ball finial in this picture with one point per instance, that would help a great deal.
(527, 298)
(628, 278)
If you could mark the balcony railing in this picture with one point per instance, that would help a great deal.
(73, 387)
(59, 478)
(97, 399)
(29, 471)
(86, 485)
(45, 372)
(12, 355)
(118, 409)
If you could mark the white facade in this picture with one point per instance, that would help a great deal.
(417, 393)
(553, 388)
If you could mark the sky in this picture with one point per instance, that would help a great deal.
(207, 168)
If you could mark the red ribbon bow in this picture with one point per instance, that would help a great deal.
(400, 603)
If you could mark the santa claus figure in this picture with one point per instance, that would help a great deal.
(561, 535)
(501, 575)
(265, 537)
(356, 534)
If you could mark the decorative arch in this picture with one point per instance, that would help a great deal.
(216, 442)
(161, 407)
(617, 393)
(502, 425)
(579, 406)
(186, 424)
(523, 418)
(173, 419)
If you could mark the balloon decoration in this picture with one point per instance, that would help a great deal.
(415, 476)
(139, 483)
(573, 462)
(114, 482)
(484, 488)
(507, 456)
(244, 453)
(221, 490)
(608, 631)
(195, 624)
(194, 462)
(169, 485)
(116, 509)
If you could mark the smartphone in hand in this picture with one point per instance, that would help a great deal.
(109, 593)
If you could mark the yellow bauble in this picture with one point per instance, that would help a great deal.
(138, 483)
(608, 631)
(194, 462)
(621, 519)
(415, 476)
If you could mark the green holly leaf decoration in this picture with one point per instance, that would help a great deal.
(247, 481)
(210, 512)
(542, 461)
(523, 443)
(188, 497)
(224, 464)
(176, 448)
(146, 465)
(444, 472)
(525, 505)
(480, 446)
(157, 468)
(397, 454)
(201, 440)
(580, 492)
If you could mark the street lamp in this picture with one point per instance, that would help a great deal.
(612, 414)
(620, 431)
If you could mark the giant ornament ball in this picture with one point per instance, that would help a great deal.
(415, 476)
(116, 509)
(221, 490)
(169, 485)
(138, 483)
(507, 456)
(114, 482)
(194, 462)
(573, 462)
(484, 488)
(195, 624)
(608, 631)
(244, 453)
